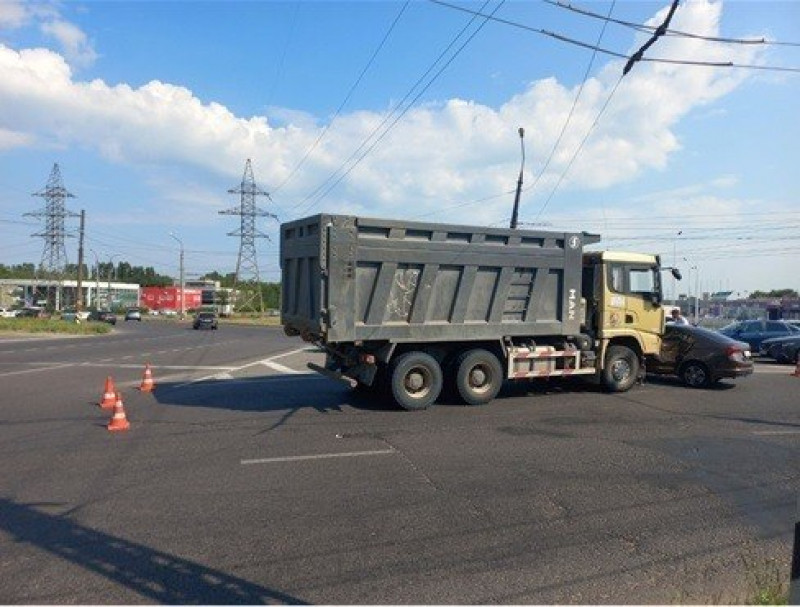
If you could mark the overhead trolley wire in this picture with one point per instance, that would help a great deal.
(669, 32)
(605, 51)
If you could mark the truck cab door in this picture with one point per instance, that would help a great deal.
(632, 304)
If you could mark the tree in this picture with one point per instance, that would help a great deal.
(774, 294)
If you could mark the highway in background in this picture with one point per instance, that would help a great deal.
(244, 479)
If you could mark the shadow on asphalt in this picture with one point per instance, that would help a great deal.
(311, 391)
(156, 576)
(269, 393)
(668, 380)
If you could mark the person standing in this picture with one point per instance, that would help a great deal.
(678, 318)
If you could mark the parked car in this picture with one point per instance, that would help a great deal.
(700, 357)
(31, 313)
(205, 320)
(756, 331)
(72, 315)
(782, 349)
(103, 316)
(8, 313)
(133, 314)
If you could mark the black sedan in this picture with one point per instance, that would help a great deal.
(700, 357)
(782, 349)
(103, 316)
(205, 320)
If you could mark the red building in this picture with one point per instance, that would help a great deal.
(169, 298)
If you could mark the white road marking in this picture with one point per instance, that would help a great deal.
(774, 370)
(278, 367)
(299, 458)
(775, 432)
(264, 361)
(37, 370)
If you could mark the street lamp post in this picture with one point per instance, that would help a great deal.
(675, 264)
(96, 279)
(515, 212)
(110, 270)
(696, 294)
(180, 242)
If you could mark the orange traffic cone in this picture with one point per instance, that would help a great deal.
(796, 369)
(109, 398)
(119, 421)
(147, 380)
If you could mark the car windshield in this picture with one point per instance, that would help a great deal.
(206, 315)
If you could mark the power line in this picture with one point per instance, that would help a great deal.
(579, 148)
(319, 193)
(574, 104)
(605, 51)
(670, 32)
(346, 99)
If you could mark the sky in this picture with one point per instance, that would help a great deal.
(406, 110)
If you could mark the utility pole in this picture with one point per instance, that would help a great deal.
(183, 295)
(515, 212)
(79, 297)
(247, 282)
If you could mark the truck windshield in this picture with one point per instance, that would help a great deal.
(633, 279)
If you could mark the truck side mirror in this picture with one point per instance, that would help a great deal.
(676, 273)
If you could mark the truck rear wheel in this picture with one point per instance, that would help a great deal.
(621, 369)
(416, 380)
(479, 376)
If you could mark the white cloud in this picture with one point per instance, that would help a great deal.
(437, 155)
(74, 42)
(12, 139)
(13, 14)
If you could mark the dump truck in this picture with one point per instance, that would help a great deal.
(417, 310)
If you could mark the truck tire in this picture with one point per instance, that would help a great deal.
(621, 369)
(479, 377)
(416, 380)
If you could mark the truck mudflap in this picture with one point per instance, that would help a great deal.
(547, 361)
(332, 374)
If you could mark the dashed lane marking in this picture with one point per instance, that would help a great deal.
(300, 458)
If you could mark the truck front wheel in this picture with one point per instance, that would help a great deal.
(416, 380)
(479, 377)
(621, 369)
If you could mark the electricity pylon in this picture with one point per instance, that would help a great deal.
(247, 283)
(54, 255)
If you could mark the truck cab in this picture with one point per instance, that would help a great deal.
(623, 301)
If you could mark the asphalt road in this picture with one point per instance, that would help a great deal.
(243, 479)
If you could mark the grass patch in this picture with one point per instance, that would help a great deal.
(255, 319)
(54, 326)
(770, 586)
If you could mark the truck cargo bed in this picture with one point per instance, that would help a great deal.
(349, 279)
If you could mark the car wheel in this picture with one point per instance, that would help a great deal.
(695, 375)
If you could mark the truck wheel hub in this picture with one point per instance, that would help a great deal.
(620, 370)
(477, 378)
(415, 381)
